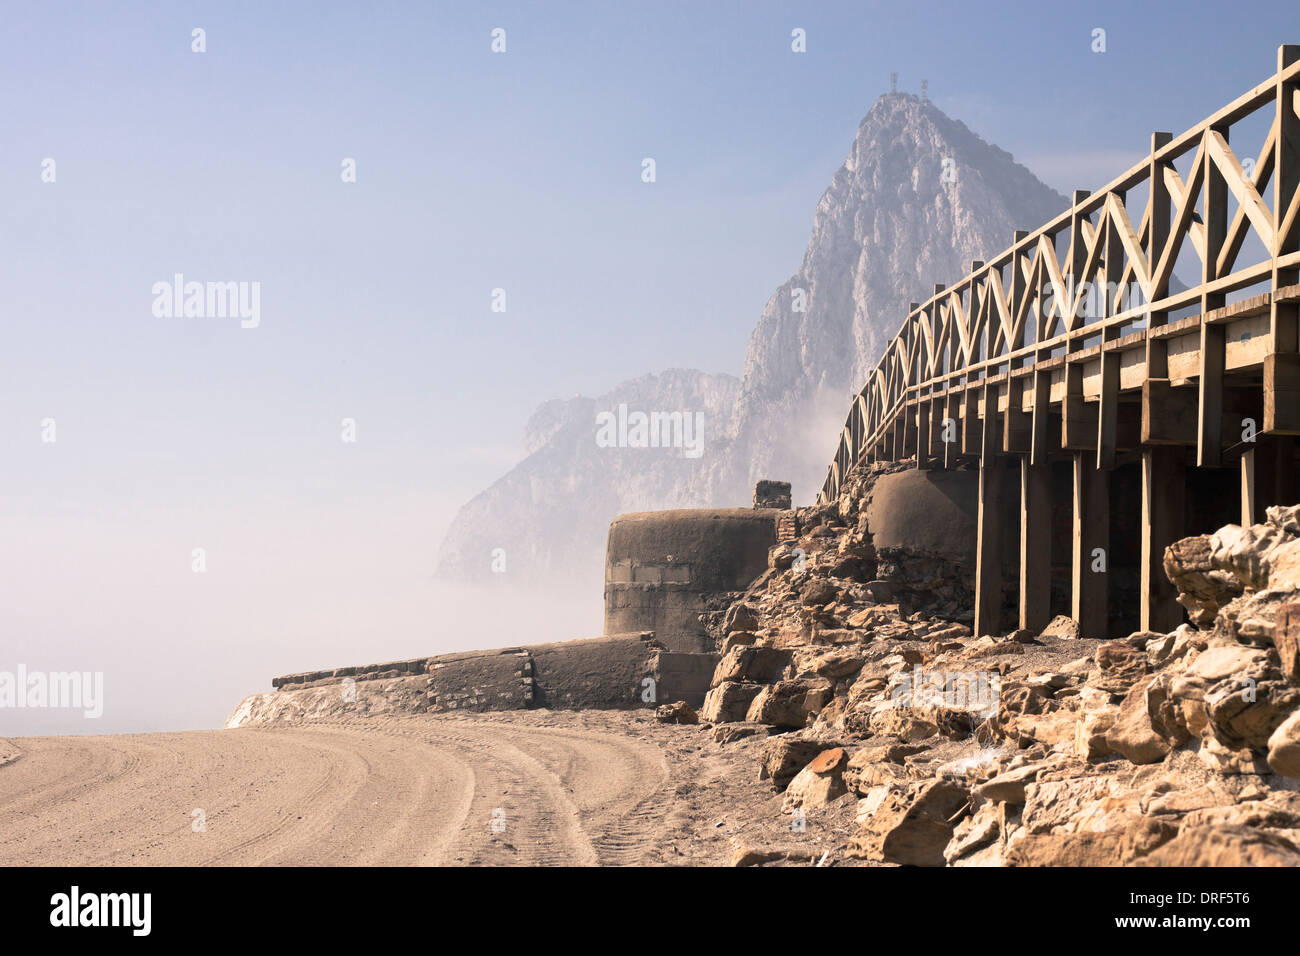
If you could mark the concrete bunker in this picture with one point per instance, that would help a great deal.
(663, 569)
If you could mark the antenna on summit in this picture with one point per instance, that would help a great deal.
(893, 82)
(925, 91)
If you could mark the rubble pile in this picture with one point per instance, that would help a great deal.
(1021, 749)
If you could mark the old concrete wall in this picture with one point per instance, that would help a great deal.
(663, 567)
(932, 512)
(603, 673)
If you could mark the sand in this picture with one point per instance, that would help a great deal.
(525, 788)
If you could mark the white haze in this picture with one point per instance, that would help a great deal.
(289, 586)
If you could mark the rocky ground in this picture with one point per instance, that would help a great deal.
(935, 746)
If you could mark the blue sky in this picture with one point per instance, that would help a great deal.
(475, 171)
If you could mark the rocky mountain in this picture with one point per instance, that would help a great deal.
(918, 197)
(587, 461)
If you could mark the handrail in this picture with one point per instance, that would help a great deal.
(991, 319)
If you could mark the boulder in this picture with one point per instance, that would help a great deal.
(728, 701)
(752, 663)
(1061, 628)
(1225, 846)
(677, 712)
(781, 758)
(866, 772)
(1132, 733)
(1284, 747)
(790, 703)
(836, 663)
(1119, 666)
(740, 617)
(1202, 587)
(737, 639)
(817, 593)
(974, 833)
(1112, 848)
(911, 828)
(1053, 803)
(819, 782)
(1009, 787)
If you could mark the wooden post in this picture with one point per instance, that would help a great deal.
(1108, 406)
(1078, 256)
(1209, 433)
(1156, 387)
(1209, 405)
(1035, 545)
(951, 432)
(1286, 184)
(937, 444)
(1163, 503)
(1091, 547)
(1282, 364)
(972, 434)
(1016, 291)
(1041, 413)
(988, 553)
(1108, 410)
(1250, 513)
(923, 434)
(1078, 418)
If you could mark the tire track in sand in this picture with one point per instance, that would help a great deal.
(403, 791)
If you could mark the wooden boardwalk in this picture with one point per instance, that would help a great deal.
(1094, 390)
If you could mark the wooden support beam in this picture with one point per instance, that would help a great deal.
(1015, 293)
(923, 434)
(1209, 434)
(1249, 501)
(1017, 424)
(1169, 415)
(911, 441)
(1209, 430)
(1282, 393)
(989, 523)
(1042, 411)
(1078, 255)
(1163, 504)
(1108, 410)
(951, 432)
(972, 430)
(1284, 317)
(1090, 562)
(1158, 220)
(1078, 418)
(1035, 545)
(937, 444)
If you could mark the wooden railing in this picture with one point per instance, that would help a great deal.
(1025, 308)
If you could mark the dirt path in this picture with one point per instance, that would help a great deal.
(532, 788)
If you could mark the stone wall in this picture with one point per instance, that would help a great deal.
(617, 672)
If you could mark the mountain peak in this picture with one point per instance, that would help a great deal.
(918, 196)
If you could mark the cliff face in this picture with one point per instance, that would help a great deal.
(918, 197)
(588, 461)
